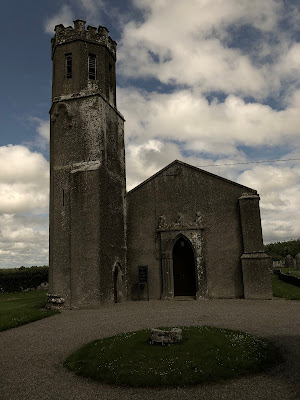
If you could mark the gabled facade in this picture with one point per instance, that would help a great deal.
(188, 225)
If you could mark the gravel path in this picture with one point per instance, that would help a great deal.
(32, 355)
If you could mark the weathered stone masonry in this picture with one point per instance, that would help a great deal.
(87, 196)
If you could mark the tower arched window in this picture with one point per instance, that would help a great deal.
(92, 66)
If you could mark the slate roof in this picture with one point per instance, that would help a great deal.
(199, 170)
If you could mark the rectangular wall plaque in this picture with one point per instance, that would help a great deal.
(143, 273)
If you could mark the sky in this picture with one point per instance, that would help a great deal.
(213, 83)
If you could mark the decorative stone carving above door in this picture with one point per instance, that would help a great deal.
(180, 222)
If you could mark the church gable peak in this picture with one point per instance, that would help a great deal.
(174, 169)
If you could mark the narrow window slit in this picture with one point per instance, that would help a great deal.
(68, 66)
(63, 198)
(92, 66)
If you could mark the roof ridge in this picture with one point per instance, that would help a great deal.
(193, 167)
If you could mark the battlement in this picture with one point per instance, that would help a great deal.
(92, 34)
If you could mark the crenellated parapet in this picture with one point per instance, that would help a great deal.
(78, 32)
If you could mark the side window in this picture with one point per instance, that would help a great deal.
(68, 63)
(92, 66)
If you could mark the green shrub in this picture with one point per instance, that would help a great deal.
(16, 280)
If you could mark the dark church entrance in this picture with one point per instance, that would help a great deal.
(184, 269)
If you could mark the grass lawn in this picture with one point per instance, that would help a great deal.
(20, 308)
(291, 271)
(285, 290)
(295, 273)
(206, 354)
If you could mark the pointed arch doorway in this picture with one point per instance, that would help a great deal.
(184, 271)
(116, 273)
(118, 283)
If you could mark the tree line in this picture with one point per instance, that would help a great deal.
(279, 250)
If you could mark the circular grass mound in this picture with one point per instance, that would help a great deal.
(206, 354)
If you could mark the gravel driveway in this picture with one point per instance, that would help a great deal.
(31, 356)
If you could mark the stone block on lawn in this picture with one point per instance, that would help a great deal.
(159, 336)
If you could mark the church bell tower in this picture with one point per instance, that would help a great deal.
(87, 171)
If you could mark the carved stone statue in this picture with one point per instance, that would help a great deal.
(162, 222)
(198, 219)
(179, 220)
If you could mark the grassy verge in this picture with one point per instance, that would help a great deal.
(20, 308)
(206, 354)
(285, 290)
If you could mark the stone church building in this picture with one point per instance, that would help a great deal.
(183, 233)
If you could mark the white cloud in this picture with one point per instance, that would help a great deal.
(89, 10)
(92, 9)
(23, 240)
(24, 180)
(24, 194)
(64, 16)
(279, 188)
(289, 64)
(42, 128)
(192, 47)
(269, 178)
(217, 128)
(209, 14)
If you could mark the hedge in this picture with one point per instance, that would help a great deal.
(287, 278)
(16, 280)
